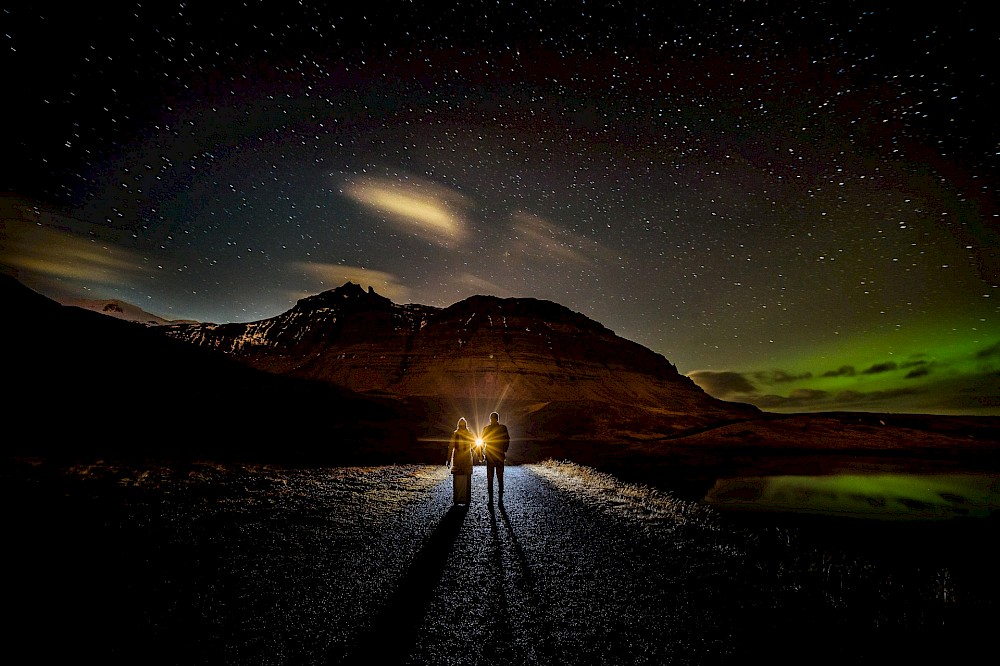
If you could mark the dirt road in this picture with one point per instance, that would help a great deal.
(543, 578)
(221, 565)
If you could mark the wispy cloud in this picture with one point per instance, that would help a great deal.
(842, 371)
(48, 251)
(538, 238)
(724, 385)
(430, 211)
(779, 376)
(993, 351)
(879, 368)
(470, 282)
(918, 372)
(819, 400)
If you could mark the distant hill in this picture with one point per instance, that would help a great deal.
(122, 310)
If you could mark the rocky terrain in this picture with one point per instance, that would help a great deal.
(497, 348)
(553, 372)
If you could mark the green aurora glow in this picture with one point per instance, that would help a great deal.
(893, 496)
(931, 368)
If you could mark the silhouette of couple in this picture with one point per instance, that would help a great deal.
(496, 441)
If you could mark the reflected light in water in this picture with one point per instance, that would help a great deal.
(883, 496)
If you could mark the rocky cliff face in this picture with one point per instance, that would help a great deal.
(553, 370)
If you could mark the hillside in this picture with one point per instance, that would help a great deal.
(83, 384)
(552, 372)
(121, 310)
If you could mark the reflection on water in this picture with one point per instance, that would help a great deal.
(883, 496)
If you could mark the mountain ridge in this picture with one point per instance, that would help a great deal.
(325, 312)
(87, 386)
(556, 372)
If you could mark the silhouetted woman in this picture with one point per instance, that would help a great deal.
(460, 459)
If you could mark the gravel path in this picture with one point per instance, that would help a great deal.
(214, 565)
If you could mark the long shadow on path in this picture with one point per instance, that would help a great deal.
(392, 633)
(527, 583)
(497, 636)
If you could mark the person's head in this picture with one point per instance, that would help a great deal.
(462, 424)
(494, 418)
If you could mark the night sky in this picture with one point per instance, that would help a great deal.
(794, 202)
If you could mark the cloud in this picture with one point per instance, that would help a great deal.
(468, 281)
(334, 275)
(430, 211)
(975, 393)
(799, 399)
(880, 399)
(723, 385)
(967, 394)
(736, 384)
(879, 368)
(779, 377)
(842, 371)
(47, 251)
(965, 384)
(814, 400)
(805, 394)
(989, 352)
(534, 236)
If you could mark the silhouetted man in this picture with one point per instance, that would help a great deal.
(496, 441)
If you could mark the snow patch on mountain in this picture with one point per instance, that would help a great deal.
(123, 310)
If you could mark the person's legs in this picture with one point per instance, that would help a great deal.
(490, 469)
(499, 467)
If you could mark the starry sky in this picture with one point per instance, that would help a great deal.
(793, 202)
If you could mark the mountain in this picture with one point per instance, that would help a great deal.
(553, 373)
(348, 377)
(80, 383)
(122, 310)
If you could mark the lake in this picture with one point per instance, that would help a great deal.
(880, 496)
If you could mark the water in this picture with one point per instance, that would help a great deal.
(882, 496)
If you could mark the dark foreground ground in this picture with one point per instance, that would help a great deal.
(230, 564)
